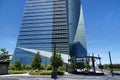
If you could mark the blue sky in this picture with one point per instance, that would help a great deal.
(102, 24)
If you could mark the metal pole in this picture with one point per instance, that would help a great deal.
(111, 66)
(99, 59)
(89, 62)
(93, 62)
(54, 57)
(100, 63)
(54, 73)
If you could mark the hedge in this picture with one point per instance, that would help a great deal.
(45, 72)
(17, 72)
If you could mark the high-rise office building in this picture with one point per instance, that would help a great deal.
(49, 22)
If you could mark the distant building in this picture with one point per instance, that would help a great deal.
(46, 22)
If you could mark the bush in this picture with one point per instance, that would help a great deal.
(45, 72)
(28, 67)
(60, 72)
(17, 72)
(43, 67)
(116, 66)
(62, 68)
(49, 67)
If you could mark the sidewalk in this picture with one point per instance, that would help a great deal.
(26, 74)
(67, 76)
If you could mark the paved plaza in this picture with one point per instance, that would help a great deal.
(65, 77)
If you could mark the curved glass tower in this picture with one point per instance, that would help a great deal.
(48, 22)
(77, 39)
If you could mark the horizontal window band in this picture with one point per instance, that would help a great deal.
(37, 2)
(47, 16)
(59, 18)
(36, 27)
(42, 38)
(42, 30)
(49, 4)
(44, 22)
(42, 43)
(45, 8)
(55, 34)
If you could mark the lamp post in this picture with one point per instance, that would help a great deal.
(111, 66)
(101, 67)
(54, 73)
(93, 63)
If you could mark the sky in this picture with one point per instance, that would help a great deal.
(102, 24)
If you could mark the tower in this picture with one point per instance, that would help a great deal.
(49, 22)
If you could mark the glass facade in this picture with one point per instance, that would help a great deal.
(46, 22)
(77, 39)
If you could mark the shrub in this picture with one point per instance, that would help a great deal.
(46, 72)
(62, 68)
(17, 72)
(43, 67)
(60, 72)
(28, 67)
(49, 67)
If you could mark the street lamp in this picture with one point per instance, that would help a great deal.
(54, 73)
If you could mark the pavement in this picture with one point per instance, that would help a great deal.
(65, 77)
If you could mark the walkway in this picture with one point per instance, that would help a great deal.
(65, 77)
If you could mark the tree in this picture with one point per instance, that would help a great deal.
(3, 50)
(36, 62)
(4, 53)
(73, 65)
(58, 59)
(18, 65)
(11, 65)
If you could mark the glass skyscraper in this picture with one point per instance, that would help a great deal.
(46, 22)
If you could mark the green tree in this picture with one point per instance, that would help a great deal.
(58, 59)
(36, 62)
(73, 65)
(11, 65)
(18, 65)
(3, 50)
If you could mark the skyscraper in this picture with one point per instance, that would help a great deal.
(48, 22)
